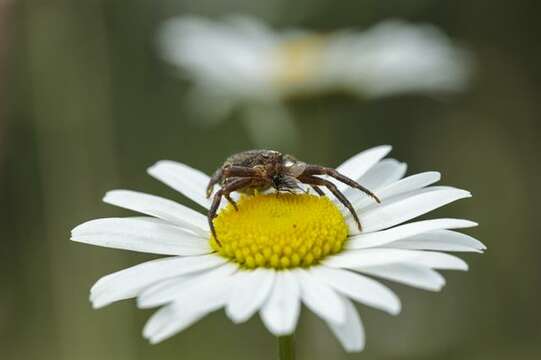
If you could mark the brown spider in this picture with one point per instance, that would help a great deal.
(259, 170)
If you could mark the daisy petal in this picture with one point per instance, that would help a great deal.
(416, 276)
(160, 320)
(320, 298)
(169, 322)
(250, 291)
(165, 287)
(140, 234)
(411, 183)
(437, 260)
(159, 207)
(281, 311)
(368, 257)
(358, 259)
(129, 282)
(176, 317)
(207, 292)
(442, 240)
(206, 296)
(404, 208)
(351, 333)
(359, 288)
(174, 289)
(379, 238)
(358, 165)
(184, 179)
(383, 174)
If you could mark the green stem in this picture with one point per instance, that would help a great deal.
(286, 347)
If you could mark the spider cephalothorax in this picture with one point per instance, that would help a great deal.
(259, 170)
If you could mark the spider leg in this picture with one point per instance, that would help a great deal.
(230, 171)
(213, 181)
(241, 171)
(321, 170)
(225, 191)
(212, 213)
(289, 191)
(317, 190)
(314, 180)
(231, 201)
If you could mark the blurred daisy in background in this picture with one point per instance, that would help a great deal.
(277, 252)
(241, 61)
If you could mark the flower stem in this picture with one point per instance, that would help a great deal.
(286, 347)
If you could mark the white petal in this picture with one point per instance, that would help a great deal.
(165, 287)
(176, 288)
(250, 291)
(168, 322)
(159, 207)
(140, 234)
(320, 298)
(411, 183)
(398, 58)
(190, 306)
(210, 292)
(178, 316)
(442, 240)
(184, 179)
(379, 238)
(437, 260)
(359, 288)
(383, 174)
(368, 257)
(358, 165)
(406, 207)
(160, 320)
(129, 282)
(351, 333)
(251, 28)
(358, 259)
(416, 276)
(281, 311)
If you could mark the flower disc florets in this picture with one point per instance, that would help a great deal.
(299, 60)
(280, 231)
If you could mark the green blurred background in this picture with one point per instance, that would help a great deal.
(89, 106)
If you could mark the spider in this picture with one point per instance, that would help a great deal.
(259, 170)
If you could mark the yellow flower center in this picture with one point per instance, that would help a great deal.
(298, 60)
(279, 231)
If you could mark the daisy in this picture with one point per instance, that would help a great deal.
(240, 60)
(278, 252)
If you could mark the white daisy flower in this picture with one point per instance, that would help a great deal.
(241, 60)
(278, 252)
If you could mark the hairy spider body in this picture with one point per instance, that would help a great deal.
(259, 170)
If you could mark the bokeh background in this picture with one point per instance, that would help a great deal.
(87, 105)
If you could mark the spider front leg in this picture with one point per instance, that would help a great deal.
(224, 191)
(231, 201)
(321, 170)
(213, 181)
(315, 181)
(230, 171)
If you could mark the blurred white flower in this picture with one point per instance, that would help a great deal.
(279, 251)
(242, 61)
